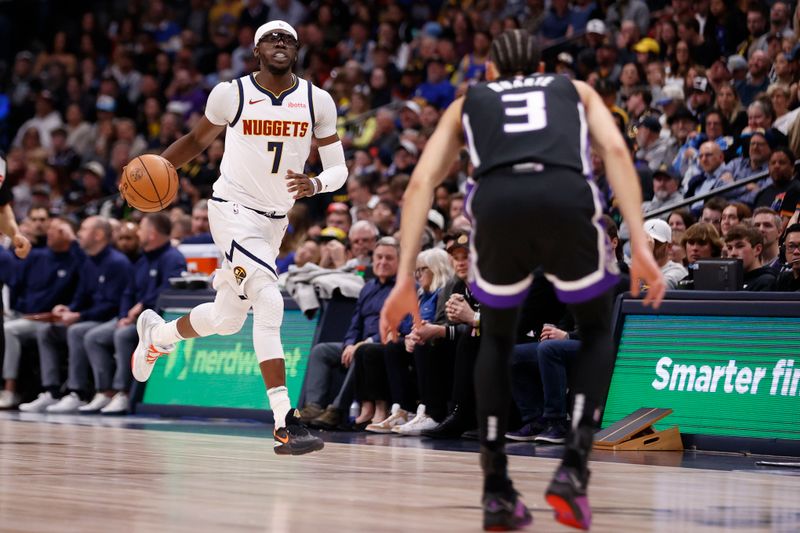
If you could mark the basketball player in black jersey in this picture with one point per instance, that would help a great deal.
(533, 204)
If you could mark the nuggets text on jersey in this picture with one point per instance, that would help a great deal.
(275, 128)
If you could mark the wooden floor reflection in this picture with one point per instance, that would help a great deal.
(64, 477)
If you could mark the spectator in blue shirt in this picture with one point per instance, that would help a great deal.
(48, 277)
(557, 21)
(330, 367)
(109, 345)
(437, 89)
(102, 281)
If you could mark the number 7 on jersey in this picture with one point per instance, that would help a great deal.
(276, 147)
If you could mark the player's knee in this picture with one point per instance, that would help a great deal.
(266, 300)
(228, 325)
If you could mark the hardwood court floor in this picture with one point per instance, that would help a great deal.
(67, 477)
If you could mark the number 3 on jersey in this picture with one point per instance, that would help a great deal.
(530, 105)
(276, 147)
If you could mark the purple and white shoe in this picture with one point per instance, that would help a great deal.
(566, 494)
(502, 512)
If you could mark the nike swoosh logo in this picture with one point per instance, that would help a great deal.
(284, 440)
(256, 101)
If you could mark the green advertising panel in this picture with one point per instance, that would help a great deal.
(219, 371)
(726, 376)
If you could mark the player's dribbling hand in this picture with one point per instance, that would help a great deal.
(645, 269)
(299, 184)
(402, 301)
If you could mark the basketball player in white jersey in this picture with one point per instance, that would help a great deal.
(270, 116)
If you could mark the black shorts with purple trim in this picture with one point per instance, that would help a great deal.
(528, 219)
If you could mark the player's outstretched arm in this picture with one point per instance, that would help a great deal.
(8, 226)
(440, 151)
(608, 141)
(193, 143)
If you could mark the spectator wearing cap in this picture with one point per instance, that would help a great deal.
(700, 97)
(635, 10)
(711, 176)
(436, 223)
(338, 216)
(409, 115)
(437, 88)
(647, 49)
(745, 242)
(737, 66)
(332, 245)
(731, 108)
(682, 124)
(757, 161)
(45, 119)
(666, 185)
(660, 234)
(653, 149)
(671, 99)
(757, 79)
(87, 199)
(565, 64)
(404, 159)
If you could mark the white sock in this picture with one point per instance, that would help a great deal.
(165, 334)
(280, 404)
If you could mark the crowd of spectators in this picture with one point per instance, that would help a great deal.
(705, 92)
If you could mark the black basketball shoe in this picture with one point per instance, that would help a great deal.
(295, 439)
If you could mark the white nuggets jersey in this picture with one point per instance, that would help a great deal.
(267, 135)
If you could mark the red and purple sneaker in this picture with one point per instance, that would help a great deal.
(504, 512)
(566, 494)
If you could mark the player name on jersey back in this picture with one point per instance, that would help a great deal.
(275, 128)
(518, 83)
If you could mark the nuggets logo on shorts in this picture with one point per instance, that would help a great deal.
(239, 273)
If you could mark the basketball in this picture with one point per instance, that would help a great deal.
(149, 183)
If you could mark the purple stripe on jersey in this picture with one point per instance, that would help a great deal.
(470, 190)
(585, 294)
(505, 301)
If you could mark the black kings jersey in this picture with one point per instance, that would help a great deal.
(537, 118)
